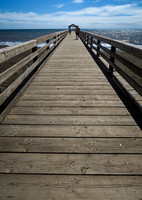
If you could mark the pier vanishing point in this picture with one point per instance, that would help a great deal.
(71, 119)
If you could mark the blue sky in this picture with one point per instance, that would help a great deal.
(93, 14)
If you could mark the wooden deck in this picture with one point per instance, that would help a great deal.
(70, 136)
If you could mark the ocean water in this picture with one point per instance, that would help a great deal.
(13, 37)
(130, 36)
(16, 36)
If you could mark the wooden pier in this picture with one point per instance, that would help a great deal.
(72, 133)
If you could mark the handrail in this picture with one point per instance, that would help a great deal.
(36, 57)
(130, 71)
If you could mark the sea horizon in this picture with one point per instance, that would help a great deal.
(11, 37)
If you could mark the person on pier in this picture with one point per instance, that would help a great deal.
(70, 30)
(77, 31)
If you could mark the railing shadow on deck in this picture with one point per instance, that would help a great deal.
(29, 65)
(130, 71)
(132, 106)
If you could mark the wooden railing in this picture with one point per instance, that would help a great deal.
(36, 56)
(131, 71)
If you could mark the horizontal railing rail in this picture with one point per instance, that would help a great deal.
(36, 56)
(131, 71)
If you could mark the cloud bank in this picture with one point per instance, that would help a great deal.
(110, 16)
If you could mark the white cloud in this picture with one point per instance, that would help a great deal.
(123, 16)
(60, 6)
(78, 1)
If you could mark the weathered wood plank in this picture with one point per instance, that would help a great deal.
(70, 131)
(137, 98)
(133, 79)
(121, 164)
(69, 120)
(73, 73)
(68, 68)
(35, 187)
(127, 47)
(73, 61)
(93, 111)
(69, 77)
(45, 133)
(46, 37)
(71, 145)
(9, 72)
(9, 90)
(129, 72)
(97, 87)
(72, 92)
(9, 52)
(69, 97)
(91, 103)
(47, 88)
(73, 79)
(67, 83)
(91, 74)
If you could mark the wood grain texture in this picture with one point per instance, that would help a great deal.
(127, 47)
(9, 72)
(9, 52)
(70, 131)
(46, 88)
(61, 187)
(69, 97)
(70, 120)
(71, 163)
(68, 83)
(92, 111)
(71, 135)
(10, 89)
(130, 72)
(75, 103)
(71, 145)
(72, 92)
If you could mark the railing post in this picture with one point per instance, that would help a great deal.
(33, 50)
(98, 48)
(84, 36)
(91, 45)
(87, 39)
(47, 41)
(112, 59)
(81, 35)
(55, 38)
